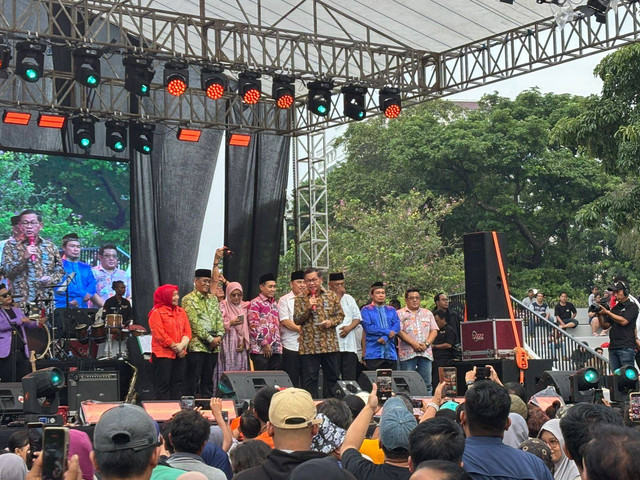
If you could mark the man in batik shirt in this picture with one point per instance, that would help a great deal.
(107, 272)
(32, 264)
(318, 311)
(264, 327)
(207, 330)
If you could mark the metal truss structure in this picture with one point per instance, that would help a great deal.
(357, 54)
(310, 202)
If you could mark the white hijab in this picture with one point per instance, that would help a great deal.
(518, 431)
(565, 469)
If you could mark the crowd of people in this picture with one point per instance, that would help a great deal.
(495, 432)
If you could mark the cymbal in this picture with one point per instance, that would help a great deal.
(43, 300)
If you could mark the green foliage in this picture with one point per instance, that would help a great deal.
(397, 243)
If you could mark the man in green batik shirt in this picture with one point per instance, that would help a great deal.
(207, 330)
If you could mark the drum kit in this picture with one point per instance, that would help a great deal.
(103, 333)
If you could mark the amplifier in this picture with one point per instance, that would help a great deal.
(92, 385)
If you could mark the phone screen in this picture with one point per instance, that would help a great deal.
(187, 403)
(449, 375)
(55, 443)
(384, 381)
(483, 373)
(35, 436)
(634, 406)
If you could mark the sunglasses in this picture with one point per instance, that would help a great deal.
(5, 295)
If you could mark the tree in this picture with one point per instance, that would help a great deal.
(398, 243)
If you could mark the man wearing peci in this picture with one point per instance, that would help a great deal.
(381, 324)
(264, 327)
(289, 330)
(347, 331)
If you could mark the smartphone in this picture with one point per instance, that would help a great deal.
(598, 396)
(483, 373)
(35, 440)
(241, 317)
(634, 406)
(203, 403)
(449, 375)
(187, 403)
(55, 448)
(384, 381)
(416, 402)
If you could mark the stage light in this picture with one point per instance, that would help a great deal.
(249, 87)
(40, 390)
(116, 135)
(48, 120)
(87, 66)
(5, 56)
(176, 77)
(189, 134)
(354, 101)
(142, 137)
(213, 81)
(319, 97)
(30, 60)
(510, 2)
(582, 384)
(623, 381)
(283, 91)
(84, 131)
(138, 74)
(389, 102)
(239, 140)
(598, 8)
(16, 118)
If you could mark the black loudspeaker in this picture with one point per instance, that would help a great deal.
(244, 385)
(484, 291)
(11, 398)
(560, 380)
(404, 381)
(346, 387)
(95, 385)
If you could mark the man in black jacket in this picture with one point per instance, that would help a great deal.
(292, 424)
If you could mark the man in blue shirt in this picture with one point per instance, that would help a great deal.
(381, 324)
(485, 418)
(82, 287)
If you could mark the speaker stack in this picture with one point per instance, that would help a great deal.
(242, 386)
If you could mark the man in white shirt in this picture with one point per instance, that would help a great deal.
(347, 331)
(530, 298)
(290, 331)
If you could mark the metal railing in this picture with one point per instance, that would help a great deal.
(543, 339)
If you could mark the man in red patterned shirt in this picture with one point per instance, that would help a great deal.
(264, 327)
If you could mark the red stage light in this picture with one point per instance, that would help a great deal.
(16, 118)
(239, 140)
(189, 134)
(285, 102)
(46, 120)
(392, 111)
(177, 87)
(215, 91)
(251, 97)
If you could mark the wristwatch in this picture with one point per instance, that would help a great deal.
(428, 344)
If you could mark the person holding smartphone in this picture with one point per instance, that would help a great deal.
(207, 328)
(234, 356)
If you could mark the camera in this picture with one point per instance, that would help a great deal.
(597, 307)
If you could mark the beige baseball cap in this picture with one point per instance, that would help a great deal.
(293, 408)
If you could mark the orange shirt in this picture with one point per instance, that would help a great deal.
(264, 436)
(168, 325)
(371, 448)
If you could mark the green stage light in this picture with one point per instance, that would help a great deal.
(142, 137)
(354, 97)
(138, 74)
(30, 60)
(84, 131)
(87, 66)
(116, 135)
(319, 97)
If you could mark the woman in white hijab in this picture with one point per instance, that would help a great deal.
(551, 434)
(12, 467)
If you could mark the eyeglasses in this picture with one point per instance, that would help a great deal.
(236, 294)
(5, 295)
(552, 442)
(34, 223)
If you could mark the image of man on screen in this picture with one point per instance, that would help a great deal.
(108, 272)
(32, 264)
(79, 280)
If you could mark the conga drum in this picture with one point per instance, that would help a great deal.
(98, 332)
(82, 333)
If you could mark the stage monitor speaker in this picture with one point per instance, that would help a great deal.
(244, 385)
(560, 380)
(484, 291)
(11, 398)
(403, 381)
(92, 385)
(345, 388)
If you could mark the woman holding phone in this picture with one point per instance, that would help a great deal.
(235, 343)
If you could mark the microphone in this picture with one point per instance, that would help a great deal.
(314, 295)
(32, 241)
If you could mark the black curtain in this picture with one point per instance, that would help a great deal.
(255, 201)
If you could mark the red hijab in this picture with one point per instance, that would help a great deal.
(163, 297)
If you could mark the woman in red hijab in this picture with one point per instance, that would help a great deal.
(170, 335)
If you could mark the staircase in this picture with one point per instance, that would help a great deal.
(582, 332)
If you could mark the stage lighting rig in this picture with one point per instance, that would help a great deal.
(84, 131)
(319, 97)
(5, 58)
(597, 8)
(176, 77)
(283, 91)
(249, 87)
(40, 389)
(138, 74)
(623, 381)
(583, 383)
(142, 137)
(86, 68)
(354, 97)
(213, 81)
(30, 60)
(116, 135)
(389, 102)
